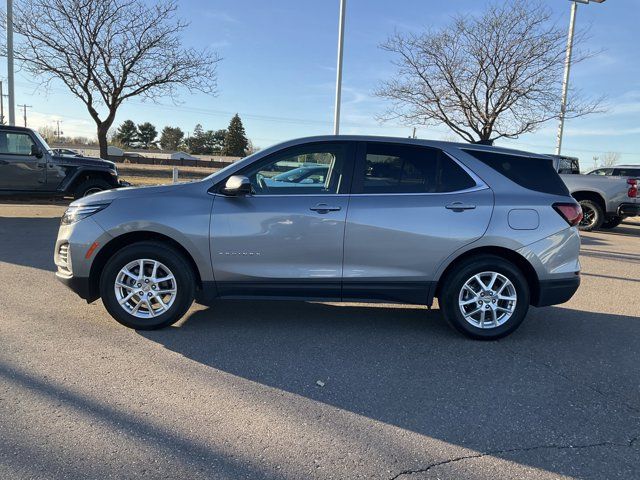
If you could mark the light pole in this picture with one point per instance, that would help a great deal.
(12, 93)
(336, 118)
(567, 69)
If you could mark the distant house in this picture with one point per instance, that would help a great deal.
(182, 156)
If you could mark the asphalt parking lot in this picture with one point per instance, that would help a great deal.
(232, 391)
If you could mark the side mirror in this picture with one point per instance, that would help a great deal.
(237, 185)
(36, 151)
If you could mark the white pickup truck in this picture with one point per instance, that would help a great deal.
(605, 200)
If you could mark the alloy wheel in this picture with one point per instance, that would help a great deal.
(145, 288)
(588, 217)
(487, 300)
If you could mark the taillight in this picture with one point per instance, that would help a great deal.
(633, 188)
(571, 212)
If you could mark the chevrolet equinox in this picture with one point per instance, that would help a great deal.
(485, 230)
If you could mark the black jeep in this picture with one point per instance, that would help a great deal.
(29, 166)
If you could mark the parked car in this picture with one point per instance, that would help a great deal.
(488, 231)
(605, 200)
(66, 152)
(307, 173)
(628, 171)
(29, 166)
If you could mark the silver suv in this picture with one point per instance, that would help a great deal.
(487, 231)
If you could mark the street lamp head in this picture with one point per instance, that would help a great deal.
(588, 1)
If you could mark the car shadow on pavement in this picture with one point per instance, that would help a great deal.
(28, 241)
(406, 367)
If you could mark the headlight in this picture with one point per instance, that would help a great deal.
(77, 213)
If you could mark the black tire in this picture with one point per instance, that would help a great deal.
(593, 216)
(611, 222)
(91, 185)
(168, 256)
(454, 282)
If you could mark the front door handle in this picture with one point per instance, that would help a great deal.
(324, 208)
(459, 206)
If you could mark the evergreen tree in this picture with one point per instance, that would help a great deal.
(196, 142)
(147, 134)
(171, 138)
(127, 133)
(214, 141)
(235, 141)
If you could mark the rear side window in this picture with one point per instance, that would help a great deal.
(390, 168)
(627, 172)
(529, 172)
(568, 165)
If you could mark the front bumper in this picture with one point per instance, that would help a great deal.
(629, 209)
(553, 292)
(80, 285)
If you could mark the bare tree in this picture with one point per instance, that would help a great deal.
(487, 77)
(610, 159)
(107, 51)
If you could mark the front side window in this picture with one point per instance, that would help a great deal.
(601, 171)
(309, 170)
(411, 169)
(15, 143)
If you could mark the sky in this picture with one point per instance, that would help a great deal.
(278, 72)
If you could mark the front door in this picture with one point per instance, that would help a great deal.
(19, 169)
(286, 239)
(411, 207)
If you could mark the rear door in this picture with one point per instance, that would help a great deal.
(410, 208)
(19, 169)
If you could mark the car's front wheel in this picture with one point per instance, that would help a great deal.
(147, 285)
(91, 186)
(485, 297)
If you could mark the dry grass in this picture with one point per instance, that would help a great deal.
(159, 174)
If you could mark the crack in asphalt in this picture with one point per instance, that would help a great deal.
(512, 450)
(608, 396)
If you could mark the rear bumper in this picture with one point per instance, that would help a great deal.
(553, 292)
(629, 209)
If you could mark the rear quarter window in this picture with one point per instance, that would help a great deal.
(532, 173)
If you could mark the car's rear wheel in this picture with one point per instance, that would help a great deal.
(485, 297)
(147, 285)
(611, 222)
(91, 186)
(592, 215)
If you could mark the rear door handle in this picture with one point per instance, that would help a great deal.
(324, 208)
(459, 206)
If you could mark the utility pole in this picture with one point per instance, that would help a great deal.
(567, 68)
(336, 119)
(414, 133)
(58, 133)
(12, 93)
(1, 105)
(24, 109)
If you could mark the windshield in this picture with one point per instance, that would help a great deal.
(44, 142)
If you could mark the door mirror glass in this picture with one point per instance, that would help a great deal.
(36, 151)
(237, 185)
